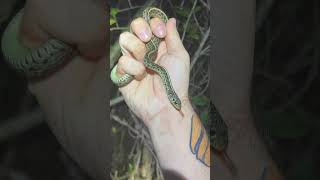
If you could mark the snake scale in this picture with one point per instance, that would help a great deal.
(152, 49)
(32, 62)
(219, 138)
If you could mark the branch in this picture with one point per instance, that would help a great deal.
(116, 101)
(262, 12)
(198, 52)
(188, 20)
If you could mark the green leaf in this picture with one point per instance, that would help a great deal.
(184, 12)
(200, 100)
(197, 8)
(130, 167)
(112, 21)
(114, 12)
(114, 130)
(193, 32)
(204, 116)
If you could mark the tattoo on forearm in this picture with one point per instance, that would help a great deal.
(199, 142)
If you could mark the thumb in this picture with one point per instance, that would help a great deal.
(173, 41)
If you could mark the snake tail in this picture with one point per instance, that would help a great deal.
(32, 62)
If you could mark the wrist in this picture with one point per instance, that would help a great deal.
(170, 132)
(169, 112)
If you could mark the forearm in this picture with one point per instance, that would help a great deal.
(171, 133)
(77, 113)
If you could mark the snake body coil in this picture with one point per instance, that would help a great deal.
(152, 49)
(32, 62)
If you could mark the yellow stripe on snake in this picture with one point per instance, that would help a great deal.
(152, 49)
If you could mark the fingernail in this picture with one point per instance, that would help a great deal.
(161, 31)
(144, 35)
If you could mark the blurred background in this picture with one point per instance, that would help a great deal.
(284, 94)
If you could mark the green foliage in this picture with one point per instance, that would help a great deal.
(200, 100)
(194, 32)
(112, 21)
(113, 16)
(114, 130)
(185, 11)
(204, 116)
(130, 168)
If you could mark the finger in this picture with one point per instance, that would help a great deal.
(173, 41)
(128, 65)
(158, 27)
(133, 45)
(141, 28)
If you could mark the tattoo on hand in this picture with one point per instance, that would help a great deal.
(199, 142)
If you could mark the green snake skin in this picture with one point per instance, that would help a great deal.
(219, 138)
(32, 62)
(152, 48)
(218, 130)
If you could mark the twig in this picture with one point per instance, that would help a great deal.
(205, 51)
(119, 29)
(205, 4)
(124, 123)
(129, 2)
(128, 9)
(116, 101)
(198, 51)
(262, 12)
(188, 20)
(182, 3)
(197, 22)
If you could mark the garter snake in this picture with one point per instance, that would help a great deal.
(219, 138)
(152, 49)
(32, 62)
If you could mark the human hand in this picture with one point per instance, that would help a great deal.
(74, 98)
(146, 95)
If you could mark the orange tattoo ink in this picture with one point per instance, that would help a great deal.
(199, 142)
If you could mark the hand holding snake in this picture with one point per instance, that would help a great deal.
(146, 94)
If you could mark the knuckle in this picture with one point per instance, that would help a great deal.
(121, 61)
(139, 50)
(141, 69)
(137, 21)
(123, 37)
(140, 47)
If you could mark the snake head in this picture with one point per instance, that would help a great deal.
(175, 101)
